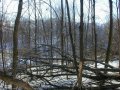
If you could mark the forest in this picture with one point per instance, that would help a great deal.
(59, 44)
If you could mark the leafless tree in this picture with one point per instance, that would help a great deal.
(110, 33)
(81, 46)
(1, 38)
(15, 40)
(71, 37)
(95, 34)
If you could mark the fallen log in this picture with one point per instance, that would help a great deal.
(105, 87)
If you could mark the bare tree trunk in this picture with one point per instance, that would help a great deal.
(51, 36)
(1, 43)
(61, 31)
(119, 29)
(36, 29)
(29, 32)
(35, 25)
(110, 34)
(95, 34)
(15, 40)
(87, 28)
(74, 31)
(71, 38)
(81, 47)
(1, 39)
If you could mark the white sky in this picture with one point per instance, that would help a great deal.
(102, 8)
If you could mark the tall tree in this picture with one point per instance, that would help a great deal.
(81, 47)
(110, 34)
(118, 26)
(95, 34)
(29, 22)
(74, 31)
(51, 35)
(87, 27)
(61, 30)
(1, 38)
(36, 30)
(71, 38)
(15, 40)
(35, 13)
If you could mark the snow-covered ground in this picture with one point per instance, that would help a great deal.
(63, 80)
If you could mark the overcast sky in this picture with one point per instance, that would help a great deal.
(102, 8)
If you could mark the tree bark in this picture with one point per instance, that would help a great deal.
(81, 47)
(110, 34)
(61, 30)
(71, 37)
(95, 34)
(15, 40)
(1, 39)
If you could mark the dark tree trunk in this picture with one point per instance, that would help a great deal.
(1, 39)
(61, 30)
(71, 38)
(81, 46)
(110, 34)
(95, 34)
(15, 40)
